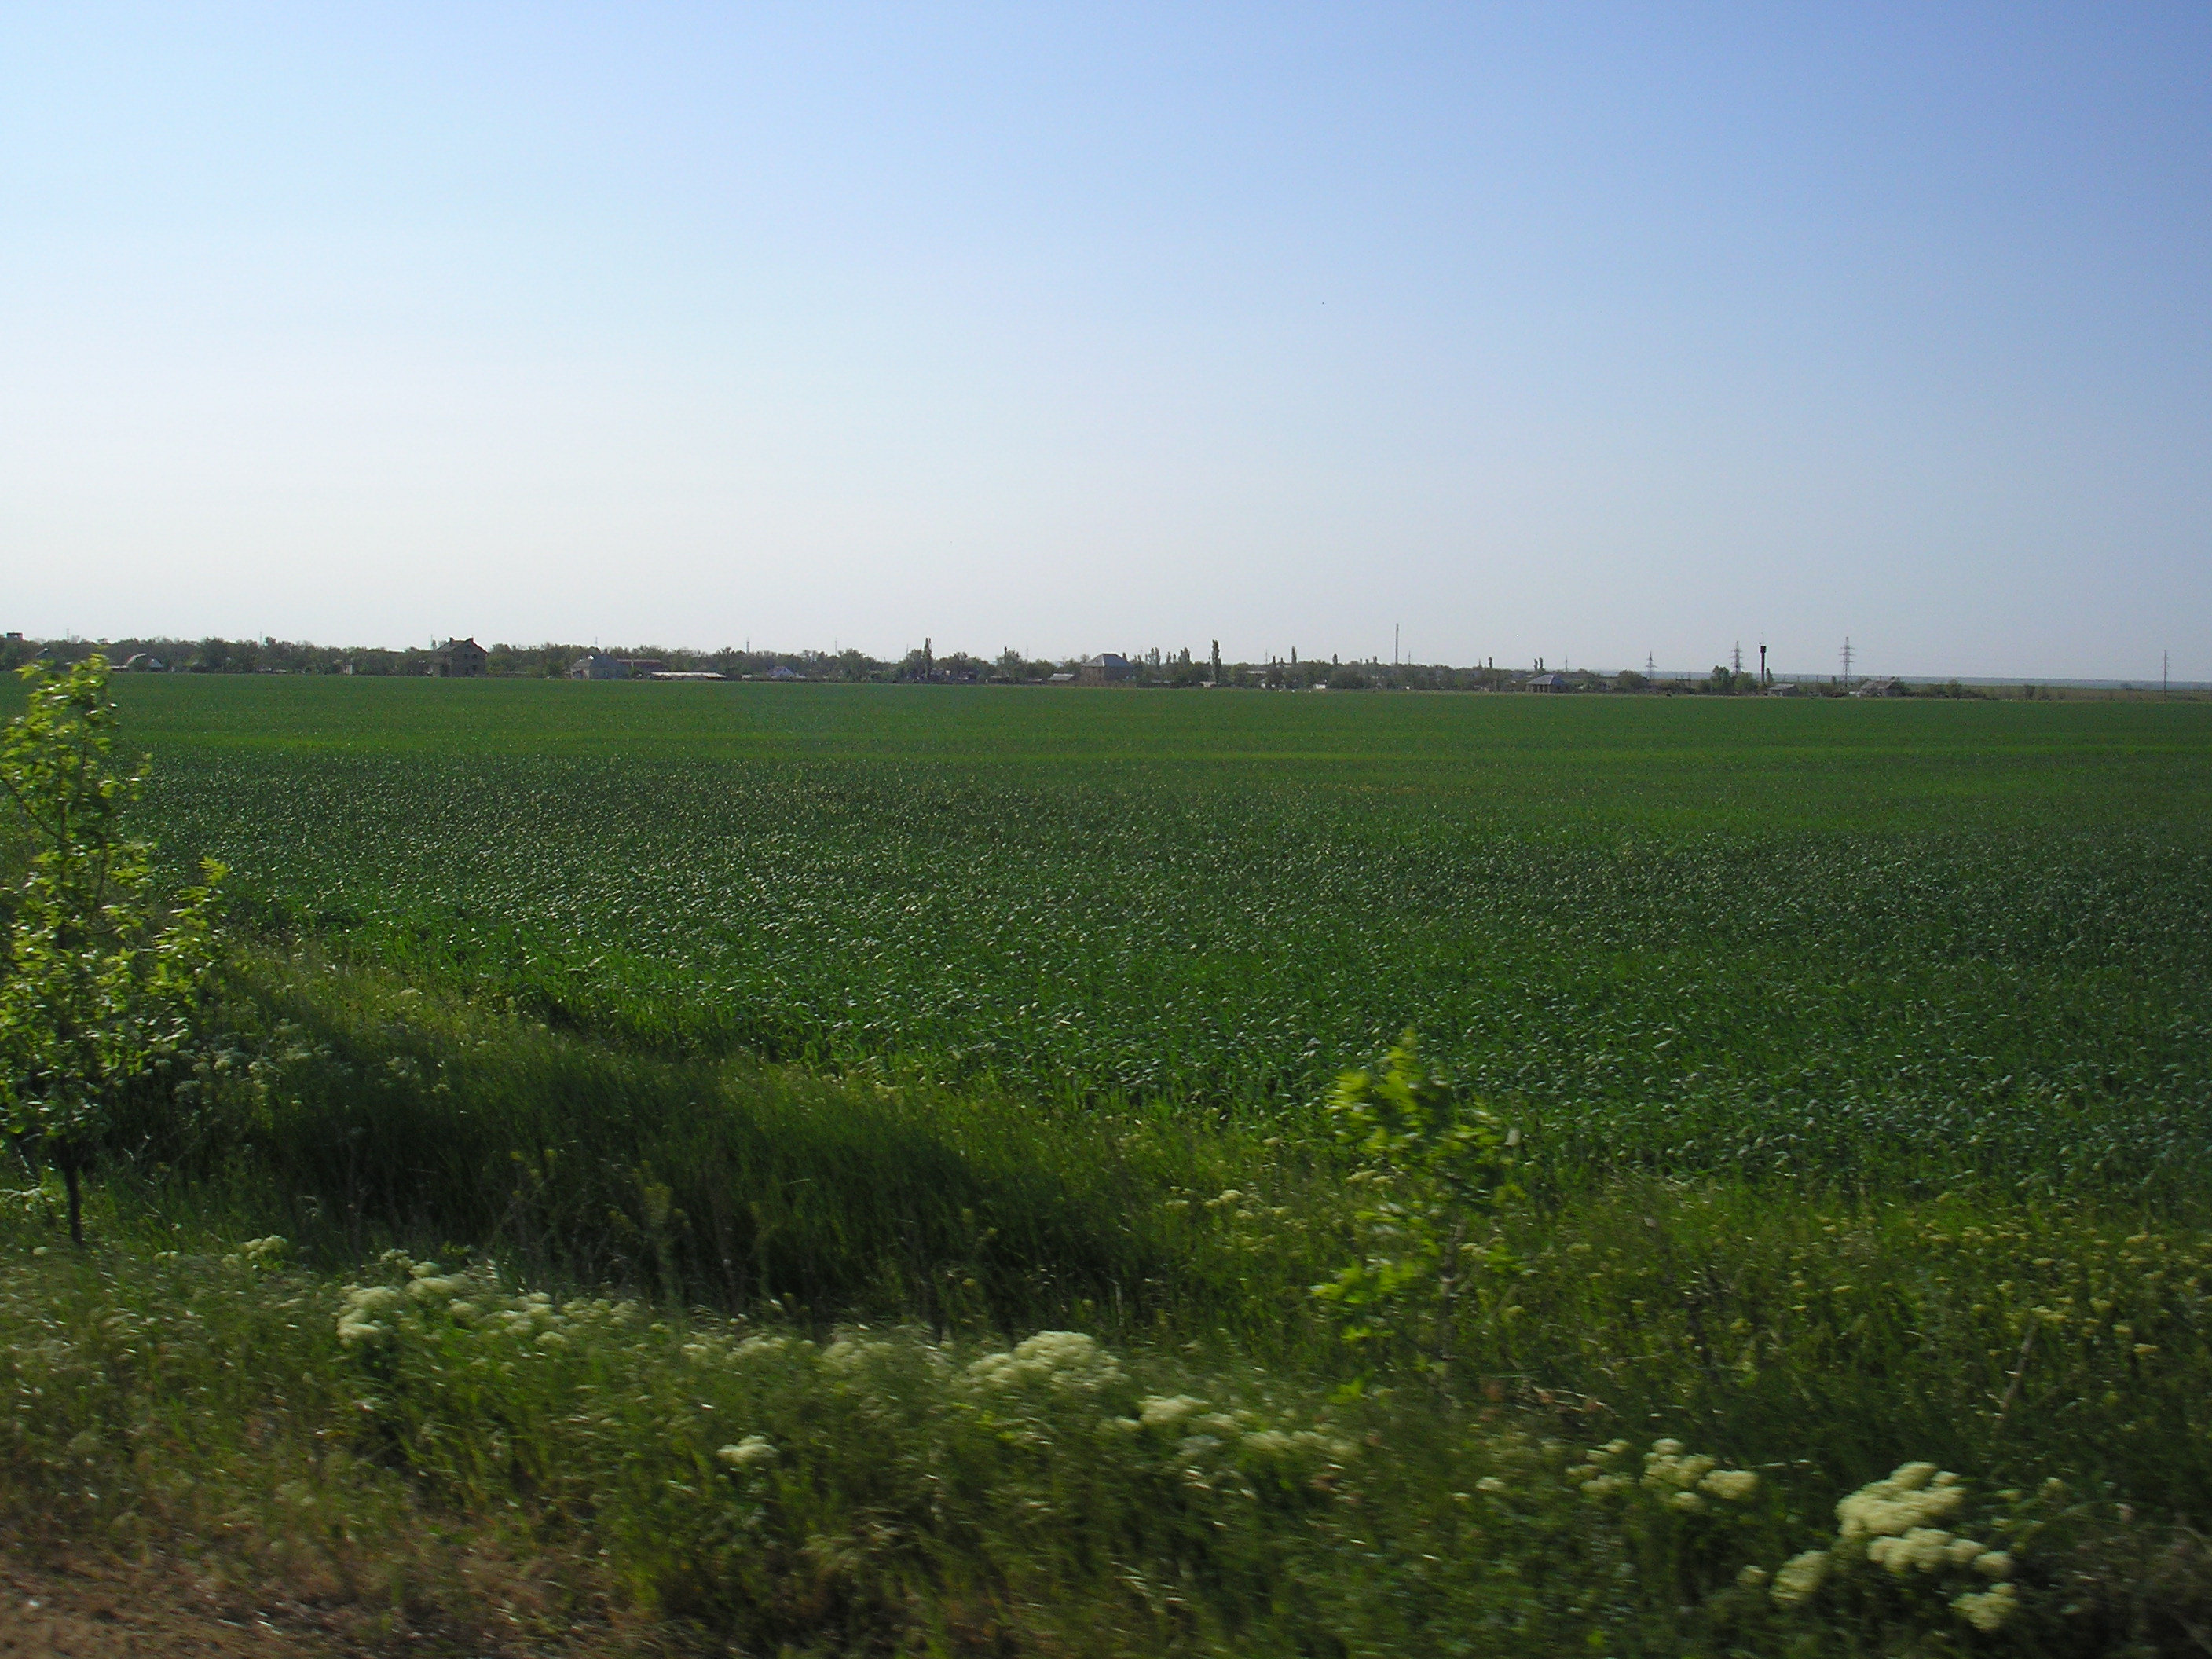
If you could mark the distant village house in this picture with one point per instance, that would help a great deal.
(597, 666)
(1107, 668)
(458, 659)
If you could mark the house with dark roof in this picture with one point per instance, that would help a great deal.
(458, 659)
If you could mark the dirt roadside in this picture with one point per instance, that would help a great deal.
(107, 1613)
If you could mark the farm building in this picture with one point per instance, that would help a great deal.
(644, 668)
(596, 665)
(1879, 688)
(1108, 668)
(1545, 682)
(458, 659)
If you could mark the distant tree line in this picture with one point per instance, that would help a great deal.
(922, 666)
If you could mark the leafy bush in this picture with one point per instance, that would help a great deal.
(1430, 1166)
(98, 988)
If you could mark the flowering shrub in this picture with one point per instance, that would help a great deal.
(1690, 1482)
(1066, 1361)
(261, 1254)
(1890, 1523)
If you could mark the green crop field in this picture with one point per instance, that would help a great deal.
(811, 1169)
(1952, 936)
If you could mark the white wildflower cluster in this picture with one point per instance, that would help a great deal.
(851, 1354)
(1890, 1523)
(1689, 1481)
(1800, 1577)
(1166, 1410)
(426, 1298)
(1912, 1497)
(362, 1315)
(1686, 1481)
(1599, 1475)
(714, 1349)
(764, 1394)
(264, 1254)
(1200, 1430)
(1987, 1610)
(1067, 1361)
(754, 1451)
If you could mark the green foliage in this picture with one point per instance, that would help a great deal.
(1430, 1166)
(98, 987)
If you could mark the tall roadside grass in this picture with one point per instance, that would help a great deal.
(351, 1112)
(529, 1470)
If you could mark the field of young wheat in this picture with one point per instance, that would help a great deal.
(1944, 938)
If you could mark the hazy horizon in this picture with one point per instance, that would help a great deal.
(1539, 332)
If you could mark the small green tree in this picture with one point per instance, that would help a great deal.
(100, 980)
(1430, 1163)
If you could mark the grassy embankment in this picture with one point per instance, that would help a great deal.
(1784, 1208)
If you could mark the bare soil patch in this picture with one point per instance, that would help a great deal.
(108, 1611)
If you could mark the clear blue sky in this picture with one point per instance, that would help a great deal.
(1582, 331)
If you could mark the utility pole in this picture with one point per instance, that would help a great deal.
(1650, 666)
(2164, 673)
(1847, 662)
(1735, 662)
(1394, 644)
(1762, 666)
